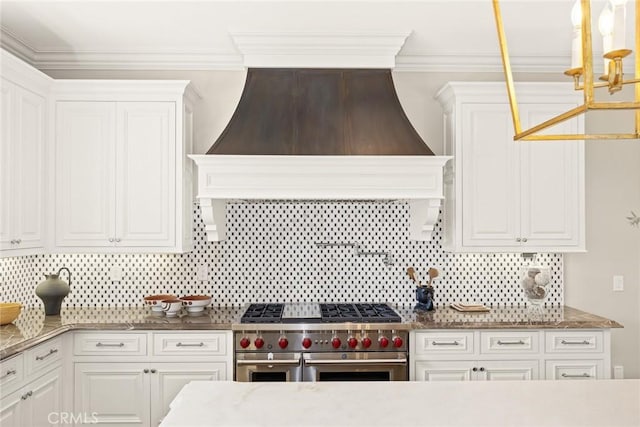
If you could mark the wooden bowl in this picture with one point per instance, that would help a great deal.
(9, 311)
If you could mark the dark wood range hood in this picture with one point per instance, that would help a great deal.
(319, 112)
(320, 134)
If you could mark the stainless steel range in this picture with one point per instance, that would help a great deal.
(321, 342)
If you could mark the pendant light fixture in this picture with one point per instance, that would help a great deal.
(612, 26)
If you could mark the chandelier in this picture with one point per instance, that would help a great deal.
(611, 24)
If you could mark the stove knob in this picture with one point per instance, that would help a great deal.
(306, 342)
(366, 342)
(335, 342)
(384, 341)
(283, 343)
(259, 343)
(352, 342)
(397, 342)
(244, 342)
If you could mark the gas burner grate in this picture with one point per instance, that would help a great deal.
(339, 313)
(263, 313)
(377, 312)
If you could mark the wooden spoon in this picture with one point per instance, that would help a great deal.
(412, 274)
(433, 273)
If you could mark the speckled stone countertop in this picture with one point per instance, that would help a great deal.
(33, 327)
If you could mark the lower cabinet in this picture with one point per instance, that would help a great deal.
(481, 370)
(136, 394)
(37, 403)
(129, 379)
(526, 354)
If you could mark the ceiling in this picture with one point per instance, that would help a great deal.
(445, 35)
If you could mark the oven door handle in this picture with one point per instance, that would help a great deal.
(269, 362)
(355, 362)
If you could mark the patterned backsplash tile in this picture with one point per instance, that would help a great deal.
(270, 255)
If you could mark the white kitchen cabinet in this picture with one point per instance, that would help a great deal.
(507, 196)
(129, 379)
(22, 158)
(525, 354)
(122, 182)
(38, 403)
(476, 370)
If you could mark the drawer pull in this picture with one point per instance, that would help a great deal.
(10, 372)
(200, 344)
(584, 375)
(52, 351)
(445, 343)
(519, 342)
(110, 345)
(583, 342)
(27, 395)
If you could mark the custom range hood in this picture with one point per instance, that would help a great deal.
(320, 133)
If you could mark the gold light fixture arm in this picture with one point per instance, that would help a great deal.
(506, 65)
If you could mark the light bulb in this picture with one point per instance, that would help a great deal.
(576, 14)
(605, 22)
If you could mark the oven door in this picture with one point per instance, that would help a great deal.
(268, 367)
(363, 366)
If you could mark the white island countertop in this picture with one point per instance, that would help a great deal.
(499, 403)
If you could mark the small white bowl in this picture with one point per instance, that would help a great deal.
(155, 301)
(195, 303)
(171, 307)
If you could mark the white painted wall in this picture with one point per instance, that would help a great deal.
(612, 188)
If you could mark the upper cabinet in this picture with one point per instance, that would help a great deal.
(508, 196)
(122, 179)
(22, 158)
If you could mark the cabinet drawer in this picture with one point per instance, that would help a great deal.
(504, 342)
(43, 356)
(444, 342)
(11, 373)
(110, 344)
(574, 369)
(574, 341)
(213, 344)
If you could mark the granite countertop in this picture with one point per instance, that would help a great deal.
(33, 327)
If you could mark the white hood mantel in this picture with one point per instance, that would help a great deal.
(319, 120)
(416, 179)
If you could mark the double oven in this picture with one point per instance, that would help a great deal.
(347, 343)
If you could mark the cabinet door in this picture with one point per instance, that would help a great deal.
(28, 172)
(551, 183)
(169, 378)
(7, 233)
(12, 409)
(145, 172)
(116, 393)
(443, 370)
(490, 178)
(43, 406)
(84, 171)
(507, 370)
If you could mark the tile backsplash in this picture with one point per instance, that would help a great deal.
(270, 255)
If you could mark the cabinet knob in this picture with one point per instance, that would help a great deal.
(482, 369)
(19, 241)
(153, 371)
(146, 371)
(475, 369)
(117, 239)
(524, 239)
(111, 239)
(518, 239)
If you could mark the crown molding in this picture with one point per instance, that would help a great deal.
(346, 50)
(313, 49)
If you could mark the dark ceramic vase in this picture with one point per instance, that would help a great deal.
(52, 291)
(424, 296)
